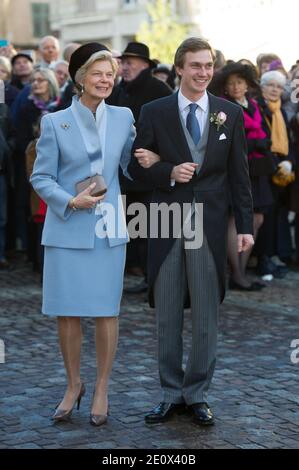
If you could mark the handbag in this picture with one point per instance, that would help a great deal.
(98, 190)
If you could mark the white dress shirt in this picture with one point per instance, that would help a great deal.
(202, 112)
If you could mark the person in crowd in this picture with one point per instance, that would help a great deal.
(294, 188)
(8, 51)
(162, 72)
(60, 69)
(278, 65)
(69, 49)
(263, 62)
(274, 239)
(117, 55)
(49, 50)
(66, 86)
(234, 82)
(201, 143)
(38, 208)
(22, 69)
(220, 61)
(136, 88)
(11, 92)
(84, 254)
(290, 94)
(70, 91)
(7, 142)
(43, 99)
(5, 69)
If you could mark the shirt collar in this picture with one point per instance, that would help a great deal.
(184, 102)
(99, 112)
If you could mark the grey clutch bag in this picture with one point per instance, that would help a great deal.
(99, 189)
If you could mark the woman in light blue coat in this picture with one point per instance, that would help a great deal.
(84, 239)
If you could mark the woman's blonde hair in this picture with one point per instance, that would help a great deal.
(5, 62)
(101, 55)
(49, 75)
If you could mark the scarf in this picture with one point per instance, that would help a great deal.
(45, 106)
(279, 135)
(253, 128)
(93, 132)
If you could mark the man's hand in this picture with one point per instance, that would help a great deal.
(183, 173)
(245, 242)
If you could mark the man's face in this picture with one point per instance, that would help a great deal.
(22, 67)
(49, 51)
(132, 67)
(62, 74)
(196, 73)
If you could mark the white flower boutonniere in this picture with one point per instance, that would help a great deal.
(218, 119)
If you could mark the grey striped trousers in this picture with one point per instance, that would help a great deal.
(193, 270)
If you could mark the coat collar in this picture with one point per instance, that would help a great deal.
(174, 126)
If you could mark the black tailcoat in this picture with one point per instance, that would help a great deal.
(222, 180)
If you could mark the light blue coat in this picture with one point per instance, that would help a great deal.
(63, 160)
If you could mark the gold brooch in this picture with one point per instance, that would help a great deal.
(65, 126)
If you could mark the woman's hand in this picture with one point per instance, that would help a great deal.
(146, 158)
(84, 200)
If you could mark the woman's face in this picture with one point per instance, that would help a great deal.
(99, 80)
(272, 91)
(236, 87)
(40, 85)
(3, 73)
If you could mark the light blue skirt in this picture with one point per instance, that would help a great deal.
(83, 282)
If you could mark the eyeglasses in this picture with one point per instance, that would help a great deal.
(39, 80)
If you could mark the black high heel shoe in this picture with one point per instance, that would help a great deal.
(64, 415)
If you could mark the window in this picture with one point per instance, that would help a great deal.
(86, 5)
(40, 19)
(129, 2)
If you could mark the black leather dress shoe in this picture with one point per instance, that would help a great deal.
(254, 286)
(139, 289)
(163, 412)
(202, 414)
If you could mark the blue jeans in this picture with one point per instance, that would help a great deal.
(3, 215)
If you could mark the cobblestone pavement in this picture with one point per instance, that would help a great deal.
(254, 394)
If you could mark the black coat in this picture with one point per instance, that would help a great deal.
(294, 189)
(144, 89)
(135, 94)
(224, 168)
(7, 143)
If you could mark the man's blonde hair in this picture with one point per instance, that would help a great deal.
(191, 45)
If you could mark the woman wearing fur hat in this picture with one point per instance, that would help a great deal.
(85, 242)
(234, 81)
